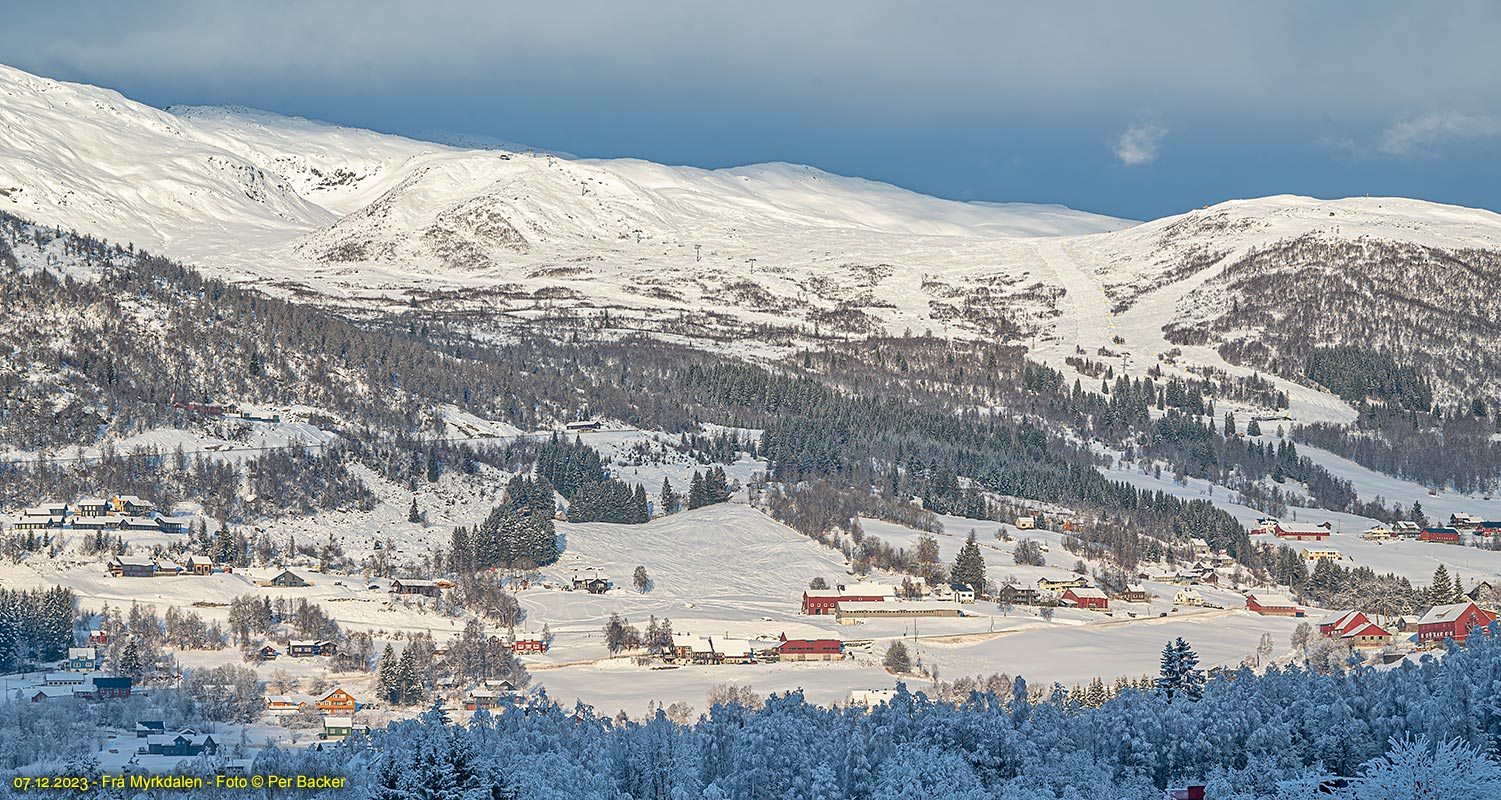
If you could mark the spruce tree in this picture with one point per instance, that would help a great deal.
(969, 566)
(1191, 684)
(696, 495)
(386, 677)
(669, 497)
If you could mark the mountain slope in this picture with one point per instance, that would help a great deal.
(770, 256)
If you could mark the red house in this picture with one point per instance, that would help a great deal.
(1440, 535)
(1341, 622)
(810, 649)
(529, 644)
(1086, 597)
(1301, 531)
(1272, 605)
(1452, 621)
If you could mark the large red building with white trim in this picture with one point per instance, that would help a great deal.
(1452, 621)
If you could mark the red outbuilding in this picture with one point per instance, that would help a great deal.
(1085, 597)
(1272, 605)
(810, 649)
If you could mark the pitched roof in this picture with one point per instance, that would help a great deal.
(1268, 600)
(1368, 629)
(1448, 613)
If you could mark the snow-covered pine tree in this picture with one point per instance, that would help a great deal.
(969, 566)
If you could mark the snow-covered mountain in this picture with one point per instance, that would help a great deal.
(356, 217)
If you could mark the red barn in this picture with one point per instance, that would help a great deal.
(817, 602)
(1272, 605)
(1440, 535)
(1301, 531)
(1085, 597)
(1452, 621)
(810, 649)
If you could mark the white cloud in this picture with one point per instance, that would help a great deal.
(1139, 144)
(1422, 134)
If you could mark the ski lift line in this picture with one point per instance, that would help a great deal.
(298, 445)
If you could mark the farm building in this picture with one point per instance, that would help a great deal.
(1017, 594)
(131, 567)
(1322, 555)
(529, 643)
(1440, 535)
(1135, 593)
(1465, 521)
(288, 579)
(850, 613)
(182, 743)
(734, 651)
(1452, 621)
(1301, 531)
(409, 586)
(284, 703)
(1026, 523)
(1086, 597)
(1272, 605)
(810, 649)
(307, 648)
(820, 602)
(1058, 585)
(1354, 628)
(692, 649)
(1488, 528)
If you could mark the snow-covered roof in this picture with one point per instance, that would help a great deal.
(1368, 629)
(1339, 618)
(1269, 600)
(1086, 592)
(1447, 613)
(1301, 527)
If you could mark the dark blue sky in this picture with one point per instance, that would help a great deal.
(1132, 109)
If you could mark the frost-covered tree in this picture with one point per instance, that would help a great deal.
(897, 659)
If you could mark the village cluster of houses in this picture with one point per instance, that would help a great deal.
(190, 564)
(121, 512)
(82, 685)
(338, 707)
(158, 741)
(1321, 532)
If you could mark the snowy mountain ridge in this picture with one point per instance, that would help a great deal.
(359, 218)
